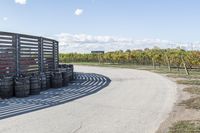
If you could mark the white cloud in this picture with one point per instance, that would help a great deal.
(86, 43)
(21, 2)
(5, 18)
(78, 12)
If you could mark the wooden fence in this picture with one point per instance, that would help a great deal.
(25, 54)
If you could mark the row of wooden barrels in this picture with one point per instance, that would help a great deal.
(23, 86)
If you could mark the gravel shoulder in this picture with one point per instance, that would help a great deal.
(135, 102)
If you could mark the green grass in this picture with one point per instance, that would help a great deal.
(162, 69)
(193, 90)
(185, 127)
(131, 66)
(192, 103)
(184, 76)
(189, 82)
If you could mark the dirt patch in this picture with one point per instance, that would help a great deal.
(192, 103)
(179, 113)
(193, 90)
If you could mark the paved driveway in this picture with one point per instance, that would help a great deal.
(134, 102)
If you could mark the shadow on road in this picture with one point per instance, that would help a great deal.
(84, 84)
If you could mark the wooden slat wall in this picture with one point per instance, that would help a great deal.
(56, 55)
(7, 55)
(29, 54)
(48, 55)
(25, 54)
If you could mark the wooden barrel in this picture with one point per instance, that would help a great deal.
(60, 66)
(35, 85)
(71, 70)
(71, 66)
(56, 80)
(48, 80)
(6, 87)
(70, 73)
(22, 87)
(65, 77)
(43, 82)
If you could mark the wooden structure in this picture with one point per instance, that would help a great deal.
(26, 54)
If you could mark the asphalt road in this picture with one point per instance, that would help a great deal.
(134, 102)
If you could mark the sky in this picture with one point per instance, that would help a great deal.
(86, 25)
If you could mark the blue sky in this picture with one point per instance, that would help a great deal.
(169, 20)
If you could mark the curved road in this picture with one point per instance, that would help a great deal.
(134, 102)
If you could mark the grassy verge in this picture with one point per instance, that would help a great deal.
(193, 90)
(189, 82)
(162, 69)
(192, 76)
(131, 66)
(185, 127)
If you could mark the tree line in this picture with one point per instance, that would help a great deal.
(172, 58)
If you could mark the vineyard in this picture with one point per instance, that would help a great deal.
(171, 58)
